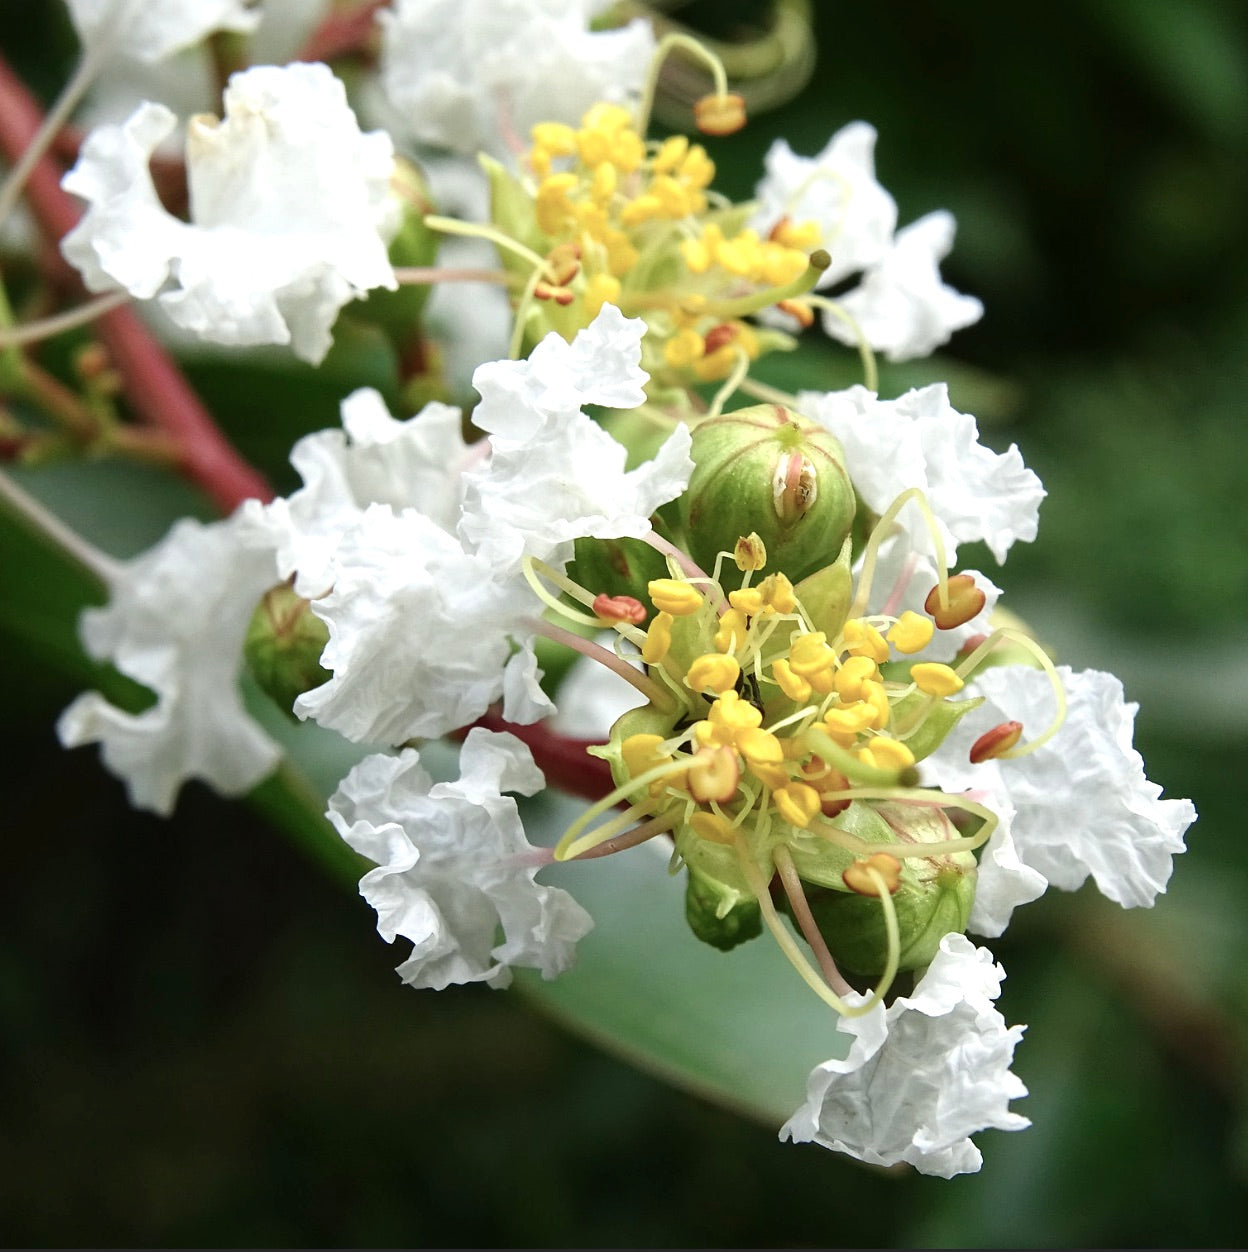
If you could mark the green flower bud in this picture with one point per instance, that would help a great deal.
(616, 567)
(283, 646)
(934, 896)
(718, 914)
(769, 470)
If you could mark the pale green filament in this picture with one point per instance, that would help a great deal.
(666, 45)
(926, 797)
(872, 552)
(609, 801)
(731, 383)
(870, 371)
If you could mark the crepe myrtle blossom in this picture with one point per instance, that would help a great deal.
(1083, 806)
(290, 208)
(175, 622)
(920, 440)
(151, 30)
(454, 867)
(922, 1075)
(901, 307)
(476, 75)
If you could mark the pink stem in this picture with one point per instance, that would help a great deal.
(156, 389)
(340, 33)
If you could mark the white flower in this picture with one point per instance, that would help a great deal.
(838, 191)
(176, 621)
(923, 1076)
(150, 30)
(920, 440)
(902, 307)
(453, 865)
(476, 74)
(290, 209)
(1083, 805)
(374, 459)
(419, 632)
(554, 475)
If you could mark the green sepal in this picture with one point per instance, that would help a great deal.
(719, 914)
(827, 593)
(513, 212)
(941, 716)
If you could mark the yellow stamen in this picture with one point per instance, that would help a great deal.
(658, 639)
(911, 632)
(935, 680)
(713, 672)
(797, 803)
(671, 595)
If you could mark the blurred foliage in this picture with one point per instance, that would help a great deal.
(202, 1038)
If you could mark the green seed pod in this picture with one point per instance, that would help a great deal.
(283, 646)
(767, 469)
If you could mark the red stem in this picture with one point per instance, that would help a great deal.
(340, 33)
(155, 387)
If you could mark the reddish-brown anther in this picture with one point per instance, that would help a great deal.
(619, 609)
(965, 600)
(994, 742)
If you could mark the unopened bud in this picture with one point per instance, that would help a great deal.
(284, 644)
(765, 471)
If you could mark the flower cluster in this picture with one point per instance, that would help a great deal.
(828, 724)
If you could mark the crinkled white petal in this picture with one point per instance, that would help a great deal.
(463, 74)
(920, 440)
(838, 190)
(1084, 805)
(453, 865)
(923, 1076)
(175, 622)
(902, 307)
(1003, 882)
(418, 631)
(290, 212)
(374, 459)
(150, 30)
(554, 475)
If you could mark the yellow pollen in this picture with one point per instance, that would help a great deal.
(733, 713)
(886, 753)
(640, 753)
(862, 639)
(803, 235)
(713, 672)
(935, 679)
(911, 632)
(749, 600)
(671, 595)
(850, 677)
(847, 721)
(778, 592)
(764, 754)
(711, 826)
(797, 803)
(732, 631)
(658, 640)
(793, 686)
(599, 290)
(877, 697)
(683, 348)
(810, 654)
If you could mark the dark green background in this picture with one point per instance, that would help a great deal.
(203, 1041)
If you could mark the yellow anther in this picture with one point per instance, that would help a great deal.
(862, 639)
(874, 694)
(741, 255)
(713, 672)
(670, 154)
(713, 775)
(793, 686)
(640, 209)
(750, 553)
(699, 254)
(850, 677)
(607, 134)
(780, 266)
(885, 753)
(640, 754)
(674, 596)
(605, 181)
(732, 631)
(996, 742)
(719, 115)
(858, 876)
(732, 713)
(847, 721)
(683, 348)
(555, 137)
(764, 754)
(554, 203)
(810, 654)
(621, 255)
(965, 599)
(778, 592)
(935, 679)
(748, 600)
(658, 642)
(797, 803)
(803, 235)
(711, 826)
(911, 632)
(599, 290)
